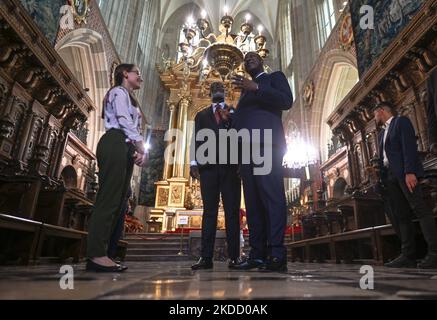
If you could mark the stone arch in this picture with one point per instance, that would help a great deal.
(172, 24)
(342, 79)
(90, 66)
(322, 82)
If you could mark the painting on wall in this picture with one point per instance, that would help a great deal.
(390, 18)
(46, 14)
(153, 171)
(177, 193)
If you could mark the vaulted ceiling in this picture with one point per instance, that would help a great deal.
(265, 10)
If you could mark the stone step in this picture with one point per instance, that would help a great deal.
(148, 245)
(158, 258)
(161, 235)
(156, 242)
(164, 245)
(154, 235)
(155, 238)
(152, 252)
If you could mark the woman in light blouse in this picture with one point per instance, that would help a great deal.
(118, 150)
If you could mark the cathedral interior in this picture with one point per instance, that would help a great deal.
(57, 61)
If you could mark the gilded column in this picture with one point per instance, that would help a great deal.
(166, 174)
(181, 138)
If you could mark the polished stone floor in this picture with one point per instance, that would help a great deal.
(175, 281)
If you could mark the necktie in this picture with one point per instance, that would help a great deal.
(218, 117)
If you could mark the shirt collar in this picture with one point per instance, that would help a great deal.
(214, 105)
(259, 75)
(387, 123)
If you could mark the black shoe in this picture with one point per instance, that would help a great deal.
(274, 265)
(249, 264)
(401, 262)
(236, 262)
(119, 262)
(203, 264)
(430, 262)
(92, 266)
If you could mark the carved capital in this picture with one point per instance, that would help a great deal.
(171, 105)
(416, 56)
(365, 113)
(399, 81)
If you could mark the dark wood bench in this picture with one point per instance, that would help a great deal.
(308, 250)
(60, 243)
(334, 248)
(356, 245)
(18, 239)
(19, 195)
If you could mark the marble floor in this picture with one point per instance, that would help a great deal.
(176, 281)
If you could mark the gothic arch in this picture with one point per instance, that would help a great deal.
(83, 51)
(333, 60)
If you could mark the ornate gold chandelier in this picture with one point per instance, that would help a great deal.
(222, 54)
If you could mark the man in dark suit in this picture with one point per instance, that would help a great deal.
(217, 178)
(262, 102)
(401, 170)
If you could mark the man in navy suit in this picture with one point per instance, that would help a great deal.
(262, 102)
(217, 178)
(401, 170)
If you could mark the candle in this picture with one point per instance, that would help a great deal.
(190, 22)
(248, 17)
(307, 172)
(226, 10)
(260, 29)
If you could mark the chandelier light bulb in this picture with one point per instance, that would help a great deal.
(260, 29)
(190, 21)
(203, 14)
(226, 9)
(248, 17)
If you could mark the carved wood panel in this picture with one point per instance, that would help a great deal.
(18, 115)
